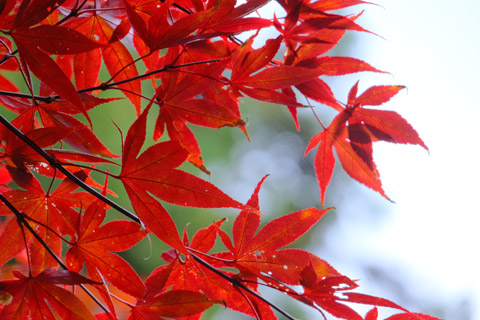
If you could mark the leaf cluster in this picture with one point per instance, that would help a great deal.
(54, 238)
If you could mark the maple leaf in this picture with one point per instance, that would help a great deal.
(157, 32)
(226, 18)
(179, 104)
(197, 70)
(189, 275)
(50, 213)
(336, 4)
(352, 133)
(117, 58)
(94, 243)
(172, 304)
(34, 53)
(60, 114)
(154, 171)
(39, 297)
(262, 84)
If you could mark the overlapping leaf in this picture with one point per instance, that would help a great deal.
(262, 85)
(94, 243)
(157, 32)
(51, 213)
(179, 104)
(34, 52)
(117, 58)
(155, 173)
(198, 79)
(39, 297)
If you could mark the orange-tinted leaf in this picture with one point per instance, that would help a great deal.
(376, 95)
(174, 304)
(279, 77)
(389, 123)
(284, 230)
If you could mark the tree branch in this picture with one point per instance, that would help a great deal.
(21, 219)
(238, 284)
(54, 163)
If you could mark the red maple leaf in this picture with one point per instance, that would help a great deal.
(154, 172)
(94, 244)
(352, 133)
(40, 297)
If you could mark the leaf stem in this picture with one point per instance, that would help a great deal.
(105, 86)
(238, 284)
(210, 256)
(89, 168)
(24, 95)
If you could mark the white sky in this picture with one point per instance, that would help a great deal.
(432, 47)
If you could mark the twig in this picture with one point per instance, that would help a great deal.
(21, 219)
(238, 284)
(54, 163)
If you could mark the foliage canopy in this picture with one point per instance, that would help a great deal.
(54, 240)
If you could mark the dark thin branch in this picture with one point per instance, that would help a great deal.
(145, 75)
(238, 284)
(72, 13)
(21, 218)
(25, 95)
(211, 257)
(250, 303)
(105, 86)
(54, 163)
(181, 8)
(48, 228)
